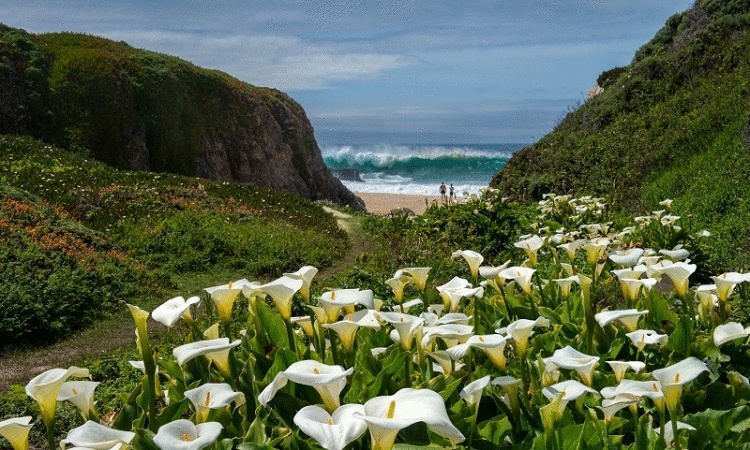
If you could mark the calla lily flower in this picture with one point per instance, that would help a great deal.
(452, 297)
(565, 284)
(729, 332)
(449, 333)
(521, 329)
(170, 311)
(642, 338)
(182, 434)
(669, 432)
(620, 367)
(406, 325)
(304, 322)
(418, 276)
(472, 392)
(571, 247)
(726, 282)
(677, 272)
(676, 254)
(306, 274)
(332, 431)
(595, 249)
(224, 297)
(626, 258)
(492, 274)
(79, 393)
(572, 359)
(98, 437)
(398, 283)
(387, 415)
(493, 346)
(672, 378)
(611, 405)
(333, 301)
(473, 259)
(444, 361)
(16, 431)
(521, 275)
(406, 306)
(217, 350)
(531, 246)
(44, 389)
(347, 329)
(281, 292)
(213, 396)
(627, 317)
(568, 390)
(329, 381)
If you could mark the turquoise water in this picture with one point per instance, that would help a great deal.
(419, 169)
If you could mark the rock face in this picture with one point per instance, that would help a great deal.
(147, 111)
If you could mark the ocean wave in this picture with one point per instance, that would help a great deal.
(387, 187)
(371, 157)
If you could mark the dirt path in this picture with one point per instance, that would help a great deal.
(18, 367)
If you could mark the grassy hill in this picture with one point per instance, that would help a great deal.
(675, 123)
(79, 238)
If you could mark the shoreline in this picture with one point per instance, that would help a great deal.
(383, 203)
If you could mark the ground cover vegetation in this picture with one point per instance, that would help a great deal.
(675, 123)
(79, 238)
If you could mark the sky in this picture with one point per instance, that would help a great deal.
(381, 71)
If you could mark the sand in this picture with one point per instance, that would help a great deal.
(377, 203)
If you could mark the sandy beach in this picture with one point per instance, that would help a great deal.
(377, 203)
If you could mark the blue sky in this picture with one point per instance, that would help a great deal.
(387, 71)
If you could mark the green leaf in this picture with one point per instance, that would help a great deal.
(495, 430)
(682, 337)
(273, 323)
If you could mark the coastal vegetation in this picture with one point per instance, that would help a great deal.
(611, 319)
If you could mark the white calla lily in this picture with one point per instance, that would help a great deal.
(306, 274)
(627, 317)
(217, 350)
(472, 392)
(672, 378)
(332, 431)
(729, 332)
(531, 246)
(387, 415)
(620, 367)
(521, 275)
(406, 325)
(213, 396)
(282, 291)
(418, 276)
(568, 390)
(44, 389)
(571, 359)
(473, 259)
(641, 338)
(16, 431)
(182, 434)
(96, 436)
(79, 393)
(493, 346)
(521, 329)
(170, 311)
(626, 258)
(329, 381)
(333, 301)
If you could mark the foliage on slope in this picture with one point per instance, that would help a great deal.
(79, 238)
(675, 123)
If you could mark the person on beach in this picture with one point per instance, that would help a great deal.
(452, 195)
(442, 192)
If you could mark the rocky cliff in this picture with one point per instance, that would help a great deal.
(142, 110)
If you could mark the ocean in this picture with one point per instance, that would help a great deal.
(419, 169)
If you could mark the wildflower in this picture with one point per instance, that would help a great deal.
(332, 431)
(16, 431)
(333, 301)
(521, 275)
(672, 378)
(407, 326)
(183, 434)
(572, 359)
(641, 338)
(729, 332)
(626, 258)
(627, 317)
(493, 345)
(217, 350)
(387, 415)
(620, 367)
(473, 259)
(45, 387)
(170, 311)
(329, 381)
(472, 392)
(96, 436)
(79, 393)
(282, 291)
(520, 330)
(418, 276)
(531, 246)
(213, 396)
(224, 297)
(306, 274)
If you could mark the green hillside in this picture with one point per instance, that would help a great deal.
(675, 123)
